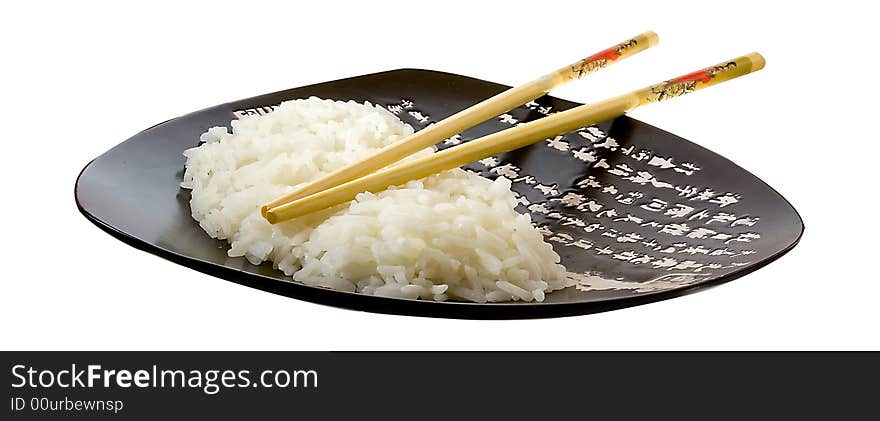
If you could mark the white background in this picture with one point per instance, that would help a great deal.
(80, 77)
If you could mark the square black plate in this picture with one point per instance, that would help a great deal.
(654, 215)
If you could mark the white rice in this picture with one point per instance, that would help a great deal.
(454, 235)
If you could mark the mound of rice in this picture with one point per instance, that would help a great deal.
(454, 235)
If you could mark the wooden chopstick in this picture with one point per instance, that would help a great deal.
(516, 137)
(470, 117)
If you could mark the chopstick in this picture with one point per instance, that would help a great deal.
(516, 137)
(469, 117)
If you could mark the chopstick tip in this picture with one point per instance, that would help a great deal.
(271, 217)
(757, 60)
(652, 37)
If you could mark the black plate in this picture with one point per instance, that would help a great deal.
(653, 214)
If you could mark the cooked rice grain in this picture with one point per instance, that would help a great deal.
(454, 235)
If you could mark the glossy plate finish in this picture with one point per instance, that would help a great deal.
(653, 215)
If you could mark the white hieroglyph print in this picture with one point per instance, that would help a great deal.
(592, 282)
(690, 227)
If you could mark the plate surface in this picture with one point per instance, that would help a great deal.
(637, 213)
